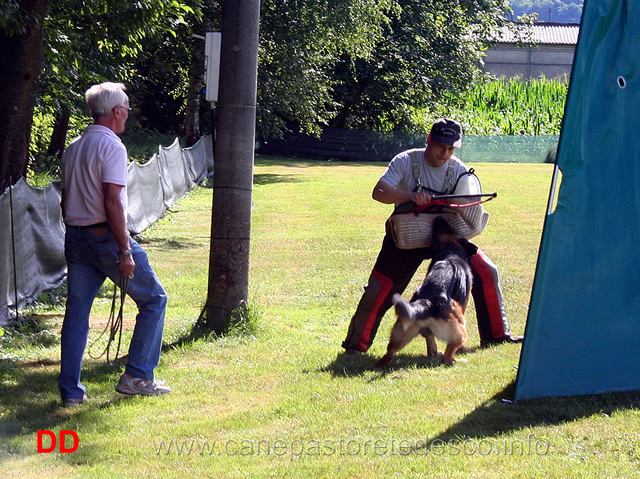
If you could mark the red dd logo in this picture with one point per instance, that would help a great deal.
(52, 442)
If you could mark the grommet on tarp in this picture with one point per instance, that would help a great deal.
(622, 83)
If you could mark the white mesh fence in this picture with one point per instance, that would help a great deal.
(32, 231)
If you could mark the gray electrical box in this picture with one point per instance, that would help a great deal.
(212, 65)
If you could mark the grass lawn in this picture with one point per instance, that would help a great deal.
(281, 400)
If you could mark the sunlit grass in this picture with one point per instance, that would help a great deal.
(280, 400)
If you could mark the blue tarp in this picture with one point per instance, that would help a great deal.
(584, 316)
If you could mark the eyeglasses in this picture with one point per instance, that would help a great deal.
(123, 107)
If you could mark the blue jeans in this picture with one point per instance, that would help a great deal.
(90, 260)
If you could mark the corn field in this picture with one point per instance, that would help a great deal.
(508, 107)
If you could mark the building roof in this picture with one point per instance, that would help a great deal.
(540, 33)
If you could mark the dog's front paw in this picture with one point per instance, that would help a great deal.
(452, 361)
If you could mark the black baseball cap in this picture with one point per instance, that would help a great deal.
(448, 132)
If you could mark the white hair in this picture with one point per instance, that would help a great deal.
(104, 97)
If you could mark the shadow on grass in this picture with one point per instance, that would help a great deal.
(196, 333)
(500, 415)
(29, 395)
(349, 365)
(307, 162)
(172, 244)
(244, 324)
(27, 386)
(272, 178)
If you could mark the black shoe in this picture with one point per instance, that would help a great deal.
(353, 351)
(485, 343)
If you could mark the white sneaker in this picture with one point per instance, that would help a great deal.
(74, 402)
(145, 387)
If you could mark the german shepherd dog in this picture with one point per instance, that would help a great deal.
(438, 306)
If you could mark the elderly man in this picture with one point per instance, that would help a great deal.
(98, 246)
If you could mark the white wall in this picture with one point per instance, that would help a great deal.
(529, 62)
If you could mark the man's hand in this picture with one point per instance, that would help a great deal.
(126, 265)
(421, 198)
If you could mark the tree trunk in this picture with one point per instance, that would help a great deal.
(233, 171)
(59, 135)
(194, 95)
(21, 65)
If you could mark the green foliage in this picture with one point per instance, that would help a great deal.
(246, 323)
(90, 42)
(142, 144)
(300, 43)
(110, 35)
(366, 64)
(427, 50)
(163, 69)
(48, 300)
(41, 131)
(14, 20)
(504, 107)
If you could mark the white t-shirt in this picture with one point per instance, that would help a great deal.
(97, 156)
(399, 174)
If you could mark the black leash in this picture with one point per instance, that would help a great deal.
(114, 323)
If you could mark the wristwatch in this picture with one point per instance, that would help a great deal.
(127, 252)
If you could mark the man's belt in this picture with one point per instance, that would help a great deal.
(97, 228)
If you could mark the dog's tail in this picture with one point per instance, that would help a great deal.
(408, 313)
(403, 307)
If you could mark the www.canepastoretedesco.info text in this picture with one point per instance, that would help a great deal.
(344, 446)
